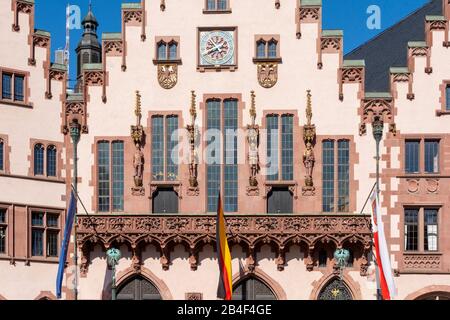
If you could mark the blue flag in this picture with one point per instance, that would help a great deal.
(65, 244)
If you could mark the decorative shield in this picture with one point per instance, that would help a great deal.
(167, 75)
(267, 74)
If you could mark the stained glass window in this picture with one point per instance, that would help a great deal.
(117, 176)
(412, 156)
(6, 86)
(51, 161)
(431, 156)
(431, 229)
(328, 176)
(272, 147)
(343, 175)
(38, 159)
(103, 177)
(411, 229)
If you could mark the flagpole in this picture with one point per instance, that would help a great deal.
(377, 126)
(75, 135)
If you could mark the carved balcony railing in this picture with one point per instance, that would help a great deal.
(193, 231)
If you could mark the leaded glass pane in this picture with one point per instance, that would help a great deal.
(211, 5)
(158, 148)
(213, 169)
(335, 290)
(431, 156)
(272, 49)
(103, 176)
(2, 155)
(411, 229)
(328, 176)
(38, 159)
(173, 51)
(287, 147)
(230, 146)
(412, 156)
(37, 242)
(52, 243)
(6, 86)
(272, 147)
(18, 88)
(343, 175)
(222, 4)
(171, 151)
(117, 176)
(162, 51)
(51, 161)
(447, 95)
(431, 229)
(261, 49)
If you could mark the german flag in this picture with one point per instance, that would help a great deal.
(223, 253)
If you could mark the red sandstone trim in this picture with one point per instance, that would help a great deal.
(26, 88)
(6, 154)
(420, 294)
(59, 159)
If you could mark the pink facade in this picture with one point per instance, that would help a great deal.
(300, 78)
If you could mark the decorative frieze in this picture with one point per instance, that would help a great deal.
(421, 262)
(21, 6)
(307, 14)
(373, 107)
(419, 49)
(352, 71)
(40, 39)
(113, 47)
(93, 78)
(75, 110)
(195, 231)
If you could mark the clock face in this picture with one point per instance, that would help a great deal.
(217, 48)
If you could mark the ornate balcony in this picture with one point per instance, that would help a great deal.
(250, 231)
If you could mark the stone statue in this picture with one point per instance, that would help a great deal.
(253, 157)
(138, 164)
(308, 161)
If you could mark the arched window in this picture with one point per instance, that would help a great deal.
(335, 290)
(162, 51)
(38, 159)
(51, 161)
(272, 49)
(252, 289)
(435, 296)
(173, 47)
(138, 288)
(261, 49)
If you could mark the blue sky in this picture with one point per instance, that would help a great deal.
(349, 15)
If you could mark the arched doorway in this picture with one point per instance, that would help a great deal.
(138, 288)
(335, 290)
(435, 296)
(252, 288)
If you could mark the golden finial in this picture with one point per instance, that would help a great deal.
(193, 109)
(253, 107)
(308, 107)
(137, 110)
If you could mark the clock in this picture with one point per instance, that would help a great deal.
(217, 48)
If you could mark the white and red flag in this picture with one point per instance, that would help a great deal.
(387, 285)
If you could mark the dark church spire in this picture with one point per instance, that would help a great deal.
(88, 49)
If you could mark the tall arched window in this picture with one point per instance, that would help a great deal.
(138, 288)
(272, 52)
(173, 46)
(162, 51)
(51, 161)
(335, 290)
(38, 159)
(252, 289)
(261, 49)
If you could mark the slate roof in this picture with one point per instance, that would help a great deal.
(389, 48)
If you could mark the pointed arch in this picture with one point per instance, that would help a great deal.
(349, 284)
